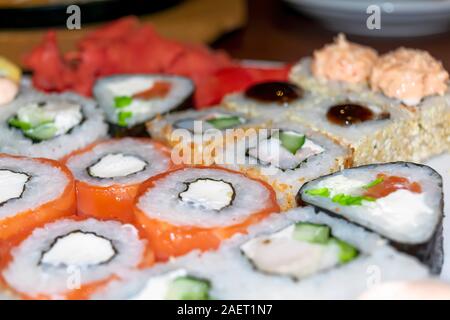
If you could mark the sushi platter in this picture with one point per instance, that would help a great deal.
(137, 167)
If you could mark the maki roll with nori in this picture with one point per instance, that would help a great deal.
(267, 99)
(401, 201)
(196, 208)
(32, 192)
(131, 100)
(195, 135)
(297, 255)
(108, 175)
(49, 126)
(162, 128)
(72, 258)
(284, 154)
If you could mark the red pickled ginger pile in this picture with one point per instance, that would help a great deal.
(126, 46)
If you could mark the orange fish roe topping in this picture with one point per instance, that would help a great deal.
(390, 184)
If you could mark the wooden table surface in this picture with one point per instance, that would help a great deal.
(276, 32)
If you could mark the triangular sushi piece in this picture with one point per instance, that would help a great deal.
(401, 201)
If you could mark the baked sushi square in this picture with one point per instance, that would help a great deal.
(198, 207)
(130, 100)
(371, 126)
(72, 258)
(49, 126)
(284, 154)
(401, 201)
(298, 255)
(408, 79)
(108, 175)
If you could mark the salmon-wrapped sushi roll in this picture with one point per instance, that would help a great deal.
(108, 175)
(32, 192)
(196, 208)
(73, 258)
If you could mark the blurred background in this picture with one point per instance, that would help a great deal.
(254, 29)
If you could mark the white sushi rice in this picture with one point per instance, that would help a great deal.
(106, 89)
(402, 216)
(120, 172)
(28, 276)
(232, 276)
(162, 202)
(45, 183)
(13, 141)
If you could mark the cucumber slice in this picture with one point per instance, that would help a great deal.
(225, 122)
(347, 252)
(42, 132)
(34, 116)
(122, 118)
(188, 288)
(22, 125)
(349, 200)
(291, 141)
(320, 192)
(122, 102)
(313, 233)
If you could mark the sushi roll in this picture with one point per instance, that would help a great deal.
(196, 208)
(372, 126)
(108, 175)
(268, 100)
(49, 126)
(401, 201)
(285, 155)
(72, 258)
(195, 134)
(32, 192)
(297, 255)
(131, 100)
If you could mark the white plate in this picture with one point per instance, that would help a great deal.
(397, 18)
(442, 165)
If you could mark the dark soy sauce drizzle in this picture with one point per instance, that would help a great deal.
(279, 92)
(347, 114)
